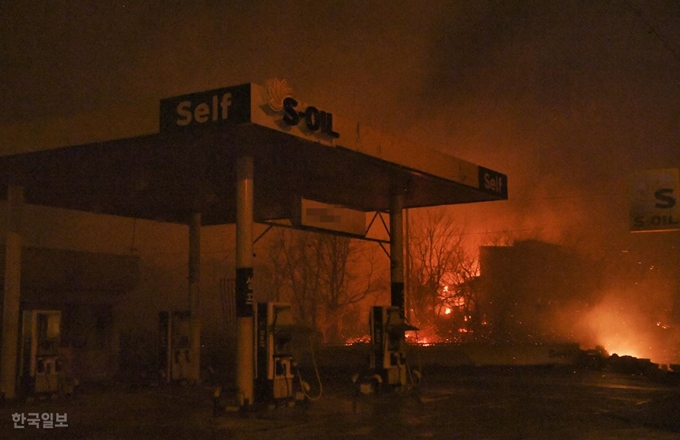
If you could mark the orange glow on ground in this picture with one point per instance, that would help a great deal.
(425, 337)
(619, 336)
(424, 341)
(358, 340)
(621, 328)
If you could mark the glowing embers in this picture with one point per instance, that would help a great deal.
(427, 337)
(365, 339)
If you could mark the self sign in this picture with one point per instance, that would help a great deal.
(216, 109)
(493, 182)
(196, 111)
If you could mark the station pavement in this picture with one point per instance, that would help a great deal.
(454, 403)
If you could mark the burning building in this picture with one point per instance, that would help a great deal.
(533, 291)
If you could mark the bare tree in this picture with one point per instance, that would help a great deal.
(302, 274)
(460, 298)
(348, 277)
(273, 271)
(322, 275)
(441, 272)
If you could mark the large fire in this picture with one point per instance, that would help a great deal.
(627, 328)
(635, 320)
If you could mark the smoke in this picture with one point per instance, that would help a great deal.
(632, 311)
(632, 321)
(566, 98)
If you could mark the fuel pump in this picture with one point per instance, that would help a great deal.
(176, 362)
(275, 364)
(388, 344)
(41, 341)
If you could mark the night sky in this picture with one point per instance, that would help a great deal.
(567, 98)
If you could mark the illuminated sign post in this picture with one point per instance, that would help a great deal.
(654, 201)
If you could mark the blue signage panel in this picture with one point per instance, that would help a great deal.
(229, 105)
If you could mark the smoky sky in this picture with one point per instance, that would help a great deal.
(566, 98)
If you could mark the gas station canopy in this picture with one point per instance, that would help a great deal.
(163, 162)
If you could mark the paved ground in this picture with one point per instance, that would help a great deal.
(455, 403)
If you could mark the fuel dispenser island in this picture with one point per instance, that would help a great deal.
(175, 359)
(387, 366)
(277, 378)
(41, 341)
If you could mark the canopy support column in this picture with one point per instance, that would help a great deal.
(397, 251)
(244, 276)
(12, 293)
(194, 292)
